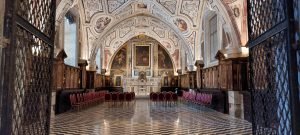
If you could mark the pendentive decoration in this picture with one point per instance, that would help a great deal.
(181, 24)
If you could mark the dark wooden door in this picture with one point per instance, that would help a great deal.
(26, 67)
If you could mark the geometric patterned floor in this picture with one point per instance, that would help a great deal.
(145, 118)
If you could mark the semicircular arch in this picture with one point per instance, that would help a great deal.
(155, 28)
(109, 66)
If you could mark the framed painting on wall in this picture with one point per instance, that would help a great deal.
(142, 56)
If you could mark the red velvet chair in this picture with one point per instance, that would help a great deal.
(174, 98)
(128, 97)
(107, 97)
(161, 97)
(168, 97)
(121, 97)
(155, 97)
(80, 99)
(198, 98)
(114, 97)
(151, 96)
(133, 95)
(74, 104)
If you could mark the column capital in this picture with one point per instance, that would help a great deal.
(199, 63)
(82, 63)
(92, 65)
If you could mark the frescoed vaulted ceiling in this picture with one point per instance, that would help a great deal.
(107, 24)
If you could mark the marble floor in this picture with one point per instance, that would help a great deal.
(145, 118)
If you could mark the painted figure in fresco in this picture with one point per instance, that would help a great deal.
(181, 24)
(161, 59)
(120, 60)
(101, 24)
(164, 61)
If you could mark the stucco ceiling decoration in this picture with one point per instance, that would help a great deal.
(101, 24)
(177, 23)
(126, 28)
(165, 10)
(174, 38)
(130, 9)
(112, 36)
(127, 11)
(191, 9)
(62, 9)
(192, 40)
(170, 5)
(136, 26)
(114, 4)
(92, 7)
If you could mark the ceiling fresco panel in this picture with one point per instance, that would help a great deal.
(190, 8)
(115, 4)
(91, 7)
(170, 5)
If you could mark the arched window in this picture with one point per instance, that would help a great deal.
(98, 61)
(213, 36)
(70, 42)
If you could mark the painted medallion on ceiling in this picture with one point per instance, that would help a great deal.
(181, 24)
(101, 24)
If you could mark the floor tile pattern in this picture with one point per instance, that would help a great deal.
(146, 118)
